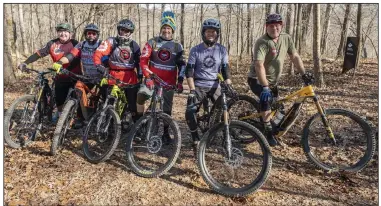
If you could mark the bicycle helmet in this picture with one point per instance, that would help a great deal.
(64, 26)
(125, 24)
(274, 18)
(91, 27)
(210, 24)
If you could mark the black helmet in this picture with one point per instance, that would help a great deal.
(91, 27)
(210, 24)
(273, 18)
(127, 24)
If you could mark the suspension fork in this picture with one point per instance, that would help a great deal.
(226, 126)
(324, 119)
(156, 98)
(35, 110)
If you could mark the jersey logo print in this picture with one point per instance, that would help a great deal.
(274, 51)
(57, 49)
(103, 46)
(209, 61)
(164, 55)
(125, 54)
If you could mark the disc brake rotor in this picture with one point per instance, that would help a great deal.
(236, 158)
(154, 144)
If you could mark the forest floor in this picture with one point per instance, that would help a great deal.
(32, 176)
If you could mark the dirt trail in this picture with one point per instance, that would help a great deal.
(31, 176)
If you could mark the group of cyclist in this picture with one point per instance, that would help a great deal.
(164, 56)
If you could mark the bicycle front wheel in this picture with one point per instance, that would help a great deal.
(351, 148)
(245, 170)
(152, 151)
(20, 122)
(62, 127)
(102, 135)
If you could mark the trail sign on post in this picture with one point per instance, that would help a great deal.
(350, 54)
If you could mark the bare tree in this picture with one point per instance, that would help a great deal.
(359, 35)
(298, 28)
(344, 32)
(306, 23)
(248, 29)
(316, 44)
(22, 30)
(228, 27)
(140, 31)
(238, 27)
(13, 39)
(153, 20)
(277, 8)
(162, 9)
(147, 32)
(290, 30)
(182, 25)
(194, 20)
(9, 76)
(324, 38)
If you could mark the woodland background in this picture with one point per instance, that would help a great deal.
(319, 30)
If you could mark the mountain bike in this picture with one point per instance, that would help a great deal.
(148, 153)
(81, 96)
(103, 132)
(29, 114)
(229, 163)
(333, 139)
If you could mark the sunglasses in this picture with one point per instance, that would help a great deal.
(125, 30)
(91, 33)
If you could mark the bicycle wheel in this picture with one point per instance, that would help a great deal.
(102, 135)
(243, 106)
(155, 155)
(355, 142)
(245, 171)
(20, 124)
(62, 127)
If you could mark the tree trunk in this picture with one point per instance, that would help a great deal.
(325, 28)
(344, 31)
(13, 38)
(140, 31)
(147, 31)
(31, 23)
(241, 32)
(194, 20)
(290, 19)
(298, 29)
(22, 30)
(305, 24)
(162, 9)
(238, 26)
(229, 27)
(182, 40)
(359, 35)
(153, 20)
(201, 13)
(248, 29)
(219, 19)
(72, 19)
(316, 44)
(268, 9)
(9, 75)
(277, 8)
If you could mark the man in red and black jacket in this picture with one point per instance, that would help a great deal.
(57, 48)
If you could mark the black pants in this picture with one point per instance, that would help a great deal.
(61, 90)
(203, 95)
(257, 88)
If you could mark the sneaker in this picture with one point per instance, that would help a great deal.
(195, 147)
(270, 138)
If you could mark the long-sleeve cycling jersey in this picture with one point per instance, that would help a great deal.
(57, 50)
(165, 58)
(85, 52)
(123, 60)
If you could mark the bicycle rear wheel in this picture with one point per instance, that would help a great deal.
(155, 155)
(19, 128)
(355, 143)
(102, 135)
(245, 171)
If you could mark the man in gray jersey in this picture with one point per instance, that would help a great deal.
(205, 61)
